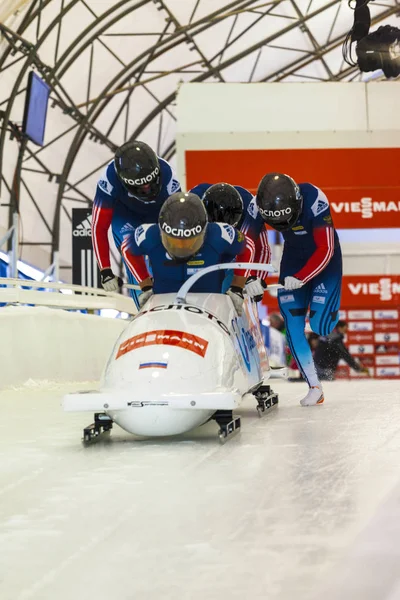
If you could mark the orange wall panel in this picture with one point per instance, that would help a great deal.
(362, 184)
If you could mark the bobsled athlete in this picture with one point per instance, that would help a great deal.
(180, 244)
(311, 266)
(235, 205)
(224, 203)
(130, 192)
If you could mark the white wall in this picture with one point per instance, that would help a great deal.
(287, 115)
(54, 345)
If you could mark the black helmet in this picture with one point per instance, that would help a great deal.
(183, 223)
(223, 203)
(138, 169)
(279, 201)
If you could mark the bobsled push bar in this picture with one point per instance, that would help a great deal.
(181, 295)
(183, 291)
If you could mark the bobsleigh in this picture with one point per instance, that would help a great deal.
(183, 360)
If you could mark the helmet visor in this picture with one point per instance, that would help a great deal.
(146, 192)
(278, 220)
(230, 216)
(285, 225)
(182, 248)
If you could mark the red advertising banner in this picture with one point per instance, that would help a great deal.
(360, 194)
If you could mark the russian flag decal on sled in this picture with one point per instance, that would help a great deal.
(153, 365)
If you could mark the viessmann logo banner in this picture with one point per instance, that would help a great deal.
(372, 291)
(360, 194)
(365, 298)
(366, 212)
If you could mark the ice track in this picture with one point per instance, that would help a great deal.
(303, 504)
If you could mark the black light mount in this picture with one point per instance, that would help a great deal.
(377, 50)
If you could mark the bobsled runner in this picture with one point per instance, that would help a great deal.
(183, 360)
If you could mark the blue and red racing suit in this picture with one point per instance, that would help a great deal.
(114, 206)
(257, 246)
(221, 244)
(201, 188)
(312, 254)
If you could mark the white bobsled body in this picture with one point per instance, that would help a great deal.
(176, 364)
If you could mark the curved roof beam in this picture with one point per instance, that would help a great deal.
(225, 64)
(89, 29)
(300, 63)
(136, 68)
(29, 61)
(291, 68)
(92, 114)
(29, 17)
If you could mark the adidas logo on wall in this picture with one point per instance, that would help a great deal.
(321, 289)
(84, 229)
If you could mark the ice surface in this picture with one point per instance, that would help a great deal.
(303, 504)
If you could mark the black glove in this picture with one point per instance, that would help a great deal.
(255, 288)
(109, 281)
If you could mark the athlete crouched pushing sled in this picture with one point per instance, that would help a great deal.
(130, 192)
(182, 243)
(236, 206)
(311, 266)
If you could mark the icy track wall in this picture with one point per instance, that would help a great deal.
(44, 344)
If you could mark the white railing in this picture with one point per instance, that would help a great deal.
(80, 297)
(63, 295)
(53, 270)
(13, 253)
